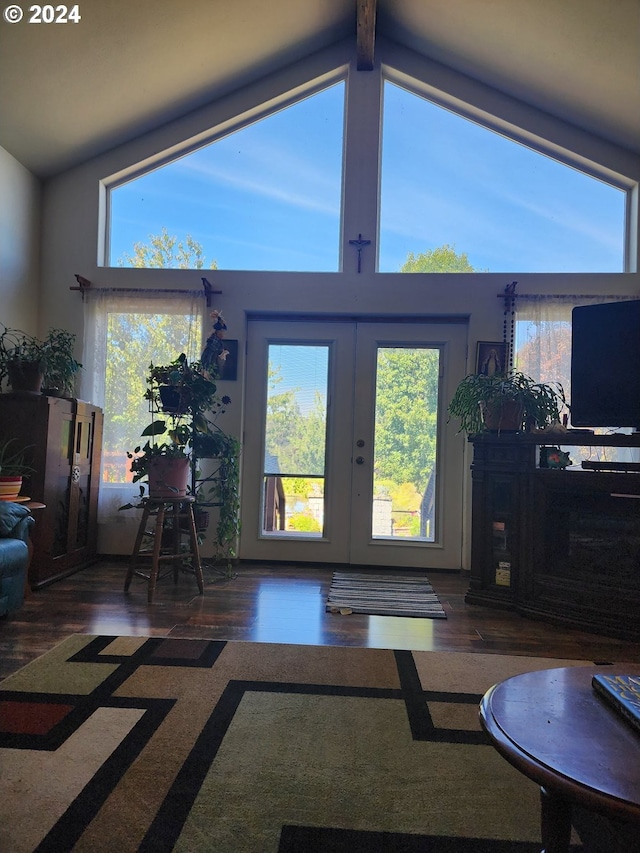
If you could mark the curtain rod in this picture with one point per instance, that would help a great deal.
(85, 286)
(550, 296)
(510, 296)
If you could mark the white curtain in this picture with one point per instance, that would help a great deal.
(543, 335)
(124, 333)
(543, 351)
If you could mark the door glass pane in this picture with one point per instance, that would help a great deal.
(405, 443)
(295, 440)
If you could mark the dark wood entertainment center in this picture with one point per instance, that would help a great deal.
(556, 544)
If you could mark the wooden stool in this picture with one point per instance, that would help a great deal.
(176, 509)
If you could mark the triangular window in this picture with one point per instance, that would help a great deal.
(265, 197)
(458, 197)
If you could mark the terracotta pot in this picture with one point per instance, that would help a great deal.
(168, 477)
(10, 488)
(25, 376)
(503, 415)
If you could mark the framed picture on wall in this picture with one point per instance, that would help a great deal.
(491, 357)
(229, 370)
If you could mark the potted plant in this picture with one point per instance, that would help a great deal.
(182, 388)
(165, 466)
(509, 402)
(12, 469)
(186, 393)
(60, 365)
(30, 364)
(210, 444)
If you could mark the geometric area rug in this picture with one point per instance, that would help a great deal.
(130, 743)
(383, 595)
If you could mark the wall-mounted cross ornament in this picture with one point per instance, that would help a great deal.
(359, 244)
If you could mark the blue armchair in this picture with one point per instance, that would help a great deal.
(15, 523)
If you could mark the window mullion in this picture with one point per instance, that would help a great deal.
(361, 196)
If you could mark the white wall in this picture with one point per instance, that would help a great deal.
(20, 197)
(74, 210)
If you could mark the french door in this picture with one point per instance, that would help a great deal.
(348, 456)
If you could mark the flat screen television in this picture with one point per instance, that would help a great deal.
(605, 365)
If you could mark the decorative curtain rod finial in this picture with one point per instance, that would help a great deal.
(83, 284)
(208, 290)
(82, 281)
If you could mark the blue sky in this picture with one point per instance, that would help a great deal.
(268, 196)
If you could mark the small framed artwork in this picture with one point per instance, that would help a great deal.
(229, 369)
(491, 357)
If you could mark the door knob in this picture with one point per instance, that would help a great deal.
(359, 460)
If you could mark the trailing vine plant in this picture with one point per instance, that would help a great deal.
(223, 489)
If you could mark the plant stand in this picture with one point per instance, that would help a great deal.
(177, 510)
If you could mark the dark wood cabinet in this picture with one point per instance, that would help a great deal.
(62, 440)
(557, 544)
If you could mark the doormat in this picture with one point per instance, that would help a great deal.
(383, 595)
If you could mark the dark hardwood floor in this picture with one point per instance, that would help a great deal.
(277, 603)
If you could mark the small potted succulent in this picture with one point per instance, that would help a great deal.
(505, 402)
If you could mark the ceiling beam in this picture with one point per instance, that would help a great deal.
(366, 33)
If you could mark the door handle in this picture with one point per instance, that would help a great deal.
(359, 460)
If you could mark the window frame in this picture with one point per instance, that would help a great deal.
(496, 120)
(213, 134)
(445, 87)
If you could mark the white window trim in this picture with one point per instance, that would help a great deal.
(363, 124)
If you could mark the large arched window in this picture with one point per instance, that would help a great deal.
(265, 197)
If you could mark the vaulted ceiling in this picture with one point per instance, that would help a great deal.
(70, 91)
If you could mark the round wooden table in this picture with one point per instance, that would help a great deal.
(553, 727)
